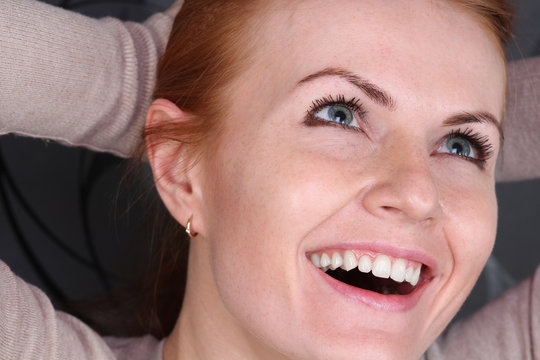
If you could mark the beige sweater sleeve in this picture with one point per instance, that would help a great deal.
(30, 329)
(508, 328)
(520, 158)
(74, 79)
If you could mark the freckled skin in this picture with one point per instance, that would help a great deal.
(275, 188)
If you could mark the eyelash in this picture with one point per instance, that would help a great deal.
(479, 142)
(353, 104)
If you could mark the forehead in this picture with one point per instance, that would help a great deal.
(419, 50)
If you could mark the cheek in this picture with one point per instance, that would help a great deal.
(276, 190)
(469, 223)
(260, 207)
(471, 211)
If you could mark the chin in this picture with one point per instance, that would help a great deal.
(365, 346)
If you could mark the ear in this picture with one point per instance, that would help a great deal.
(173, 174)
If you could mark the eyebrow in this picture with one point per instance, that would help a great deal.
(381, 97)
(375, 93)
(479, 117)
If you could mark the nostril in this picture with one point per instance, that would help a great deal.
(390, 209)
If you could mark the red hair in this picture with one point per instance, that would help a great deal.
(206, 48)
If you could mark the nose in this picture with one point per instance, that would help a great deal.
(404, 187)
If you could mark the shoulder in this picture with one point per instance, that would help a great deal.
(507, 328)
(30, 328)
(139, 348)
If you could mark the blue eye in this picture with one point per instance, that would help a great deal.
(469, 145)
(458, 145)
(336, 113)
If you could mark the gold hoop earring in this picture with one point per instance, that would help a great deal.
(192, 234)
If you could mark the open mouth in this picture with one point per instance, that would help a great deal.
(379, 273)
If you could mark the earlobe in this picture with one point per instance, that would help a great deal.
(168, 158)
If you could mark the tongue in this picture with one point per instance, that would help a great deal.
(369, 282)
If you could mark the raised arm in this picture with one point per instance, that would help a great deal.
(520, 158)
(75, 79)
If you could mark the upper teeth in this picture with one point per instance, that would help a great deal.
(381, 265)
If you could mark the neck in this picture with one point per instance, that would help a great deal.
(205, 329)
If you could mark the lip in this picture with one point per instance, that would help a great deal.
(374, 300)
(390, 303)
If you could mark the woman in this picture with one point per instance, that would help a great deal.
(306, 116)
(299, 138)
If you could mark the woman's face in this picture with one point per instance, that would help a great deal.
(367, 129)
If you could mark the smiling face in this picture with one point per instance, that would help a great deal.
(363, 131)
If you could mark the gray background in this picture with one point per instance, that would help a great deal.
(75, 194)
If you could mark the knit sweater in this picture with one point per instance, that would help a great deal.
(506, 329)
(88, 82)
(75, 79)
(31, 329)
